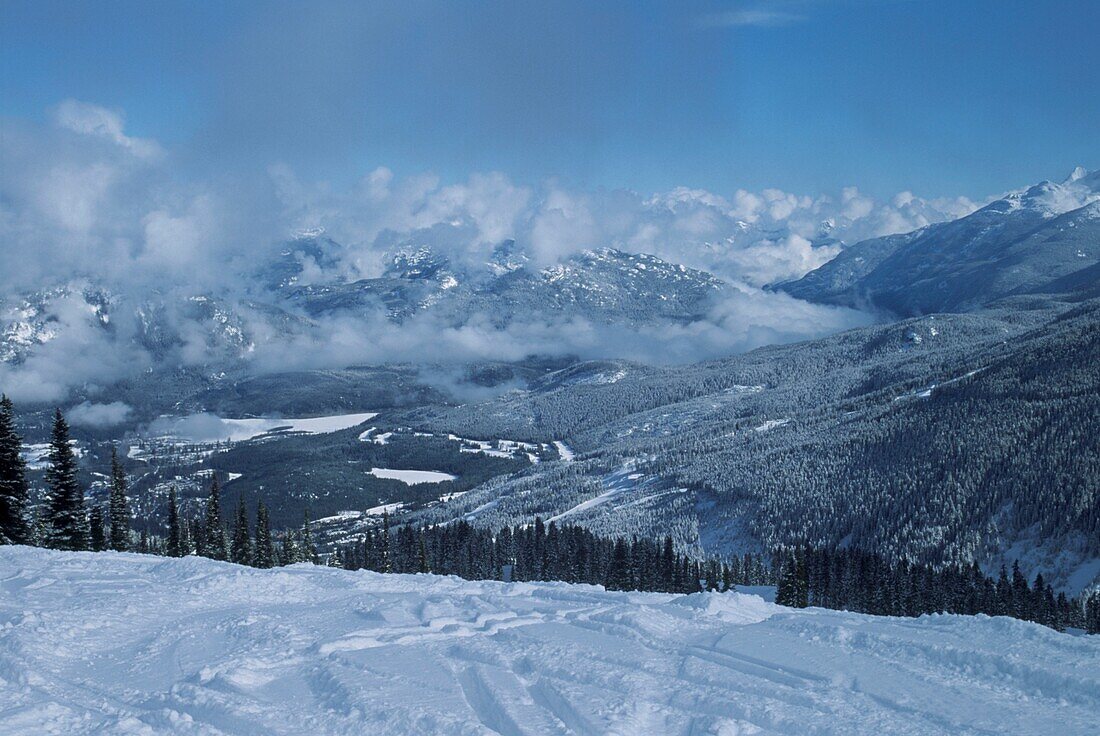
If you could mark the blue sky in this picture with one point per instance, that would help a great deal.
(942, 98)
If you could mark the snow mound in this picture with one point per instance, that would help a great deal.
(131, 644)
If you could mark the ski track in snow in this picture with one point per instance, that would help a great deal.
(564, 451)
(130, 644)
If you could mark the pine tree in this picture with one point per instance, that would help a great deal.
(618, 575)
(387, 561)
(668, 564)
(241, 551)
(264, 555)
(802, 586)
(1021, 593)
(68, 523)
(119, 513)
(308, 550)
(97, 529)
(289, 553)
(214, 545)
(422, 565)
(14, 493)
(175, 546)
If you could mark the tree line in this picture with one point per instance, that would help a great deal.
(843, 579)
(848, 580)
(65, 520)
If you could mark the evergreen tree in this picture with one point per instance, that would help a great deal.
(802, 586)
(264, 555)
(214, 545)
(308, 550)
(1021, 594)
(175, 546)
(67, 520)
(422, 565)
(289, 553)
(668, 565)
(241, 550)
(387, 561)
(618, 574)
(792, 589)
(119, 513)
(14, 493)
(97, 529)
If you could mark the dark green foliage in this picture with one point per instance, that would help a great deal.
(68, 524)
(119, 508)
(214, 544)
(175, 545)
(265, 547)
(792, 588)
(1092, 614)
(241, 549)
(330, 473)
(14, 492)
(97, 531)
(308, 548)
(942, 440)
(845, 579)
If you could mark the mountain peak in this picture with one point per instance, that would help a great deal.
(1078, 173)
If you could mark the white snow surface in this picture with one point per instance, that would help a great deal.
(132, 644)
(564, 451)
(412, 477)
(212, 428)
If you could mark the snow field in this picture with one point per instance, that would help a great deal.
(130, 644)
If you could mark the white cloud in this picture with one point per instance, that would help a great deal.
(99, 416)
(751, 17)
(93, 120)
(85, 200)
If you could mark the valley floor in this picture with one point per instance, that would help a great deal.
(131, 644)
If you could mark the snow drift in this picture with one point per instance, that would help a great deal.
(132, 644)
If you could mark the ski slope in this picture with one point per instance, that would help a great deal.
(129, 644)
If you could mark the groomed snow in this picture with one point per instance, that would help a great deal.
(129, 644)
(412, 477)
(564, 451)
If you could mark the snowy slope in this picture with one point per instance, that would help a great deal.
(128, 644)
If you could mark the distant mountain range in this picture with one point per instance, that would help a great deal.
(1041, 239)
(959, 428)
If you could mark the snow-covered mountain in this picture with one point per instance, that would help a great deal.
(304, 284)
(1034, 239)
(607, 286)
(131, 644)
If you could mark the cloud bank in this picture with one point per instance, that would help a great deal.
(87, 208)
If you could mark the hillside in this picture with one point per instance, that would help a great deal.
(129, 644)
(1041, 239)
(945, 438)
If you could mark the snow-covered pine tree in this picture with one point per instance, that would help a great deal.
(97, 532)
(214, 545)
(68, 523)
(175, 545)
(289, 553)
(787, 592)
(241, 550)
(119, 513)
(186, 537)
(264, 555)
(14, 493)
